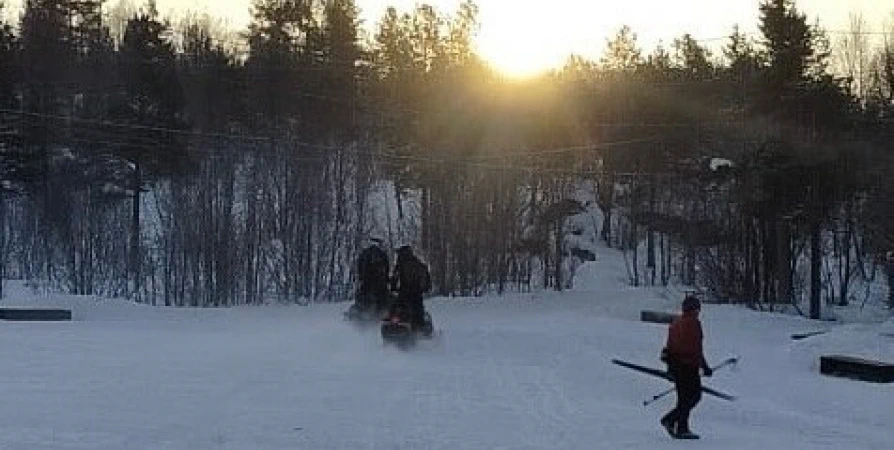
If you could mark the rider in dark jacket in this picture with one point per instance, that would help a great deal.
(372, 271)
(411, 279)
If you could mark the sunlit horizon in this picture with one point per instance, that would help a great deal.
(522, 39)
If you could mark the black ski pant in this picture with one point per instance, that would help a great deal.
(689, 391)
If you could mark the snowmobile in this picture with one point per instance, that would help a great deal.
(362, 315)
(368, 312)
(397, 329)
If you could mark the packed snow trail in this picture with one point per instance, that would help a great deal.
(528, 371)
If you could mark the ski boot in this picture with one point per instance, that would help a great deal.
(670, 426)
(687, 434)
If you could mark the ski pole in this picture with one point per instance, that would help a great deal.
(656, 397)
(725, 363)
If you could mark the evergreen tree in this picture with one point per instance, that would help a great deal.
(810, 108)
(692, 57)
(46, 58)
(881, 79)
(212, 85)
(461, 34)
(427, 39)
(279, 37)
(341, 53)
(743, 62)
(13, 161)
(151, 102)
(396, 90)
(94, 64)
(659, 62)
(9, 63)
(788, 43)
(152, 95)
(393, 48)
(622, 53)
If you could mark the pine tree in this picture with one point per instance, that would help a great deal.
(152, 103)
(692, 57)
(94, 58)
(461, 34)
(810, 108)
(743, 62)
(341, 53)
(788, 44)
(279, 37)
(9, 64)
(397, 78)
(660, 63)
(427, 40)
(47, 60)
(12, 160)
(393, 49)
(212, 85)
(622, 53)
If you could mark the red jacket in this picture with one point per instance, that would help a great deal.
(684, 341)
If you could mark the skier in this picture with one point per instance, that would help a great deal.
(411, 279)
(372, 270)
(684, 356)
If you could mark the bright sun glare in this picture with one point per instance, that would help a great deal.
(519, 42)
(524, 39)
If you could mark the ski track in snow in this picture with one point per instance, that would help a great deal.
(525, 371)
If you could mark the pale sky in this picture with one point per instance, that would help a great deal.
(525, 36)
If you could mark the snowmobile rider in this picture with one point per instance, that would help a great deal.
(372, 270)
(411, 280)
(684, 356)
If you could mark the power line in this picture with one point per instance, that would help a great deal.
(387, 158)
(392, 158)
(268, 139)
(571, 149)
(473, 162)
(824, 30)
(138, 126)
(859, 32)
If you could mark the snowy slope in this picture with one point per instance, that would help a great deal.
(519, 372)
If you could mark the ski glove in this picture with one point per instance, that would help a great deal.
(708, 372)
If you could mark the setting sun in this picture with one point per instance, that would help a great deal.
(520, 42)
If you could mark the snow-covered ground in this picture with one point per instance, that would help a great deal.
(526, 371)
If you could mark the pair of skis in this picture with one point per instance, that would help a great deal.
(667, 376)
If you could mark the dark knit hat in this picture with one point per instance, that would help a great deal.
(691, 303)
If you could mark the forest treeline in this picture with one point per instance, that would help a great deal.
(177, 162)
